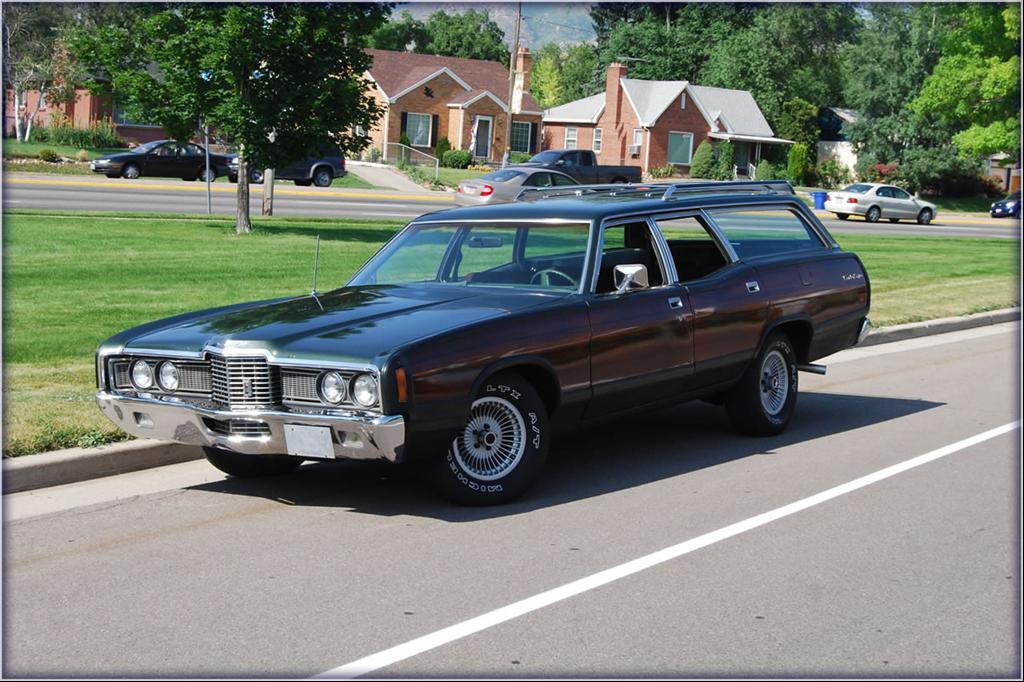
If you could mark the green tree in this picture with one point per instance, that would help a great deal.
(703, 165)
(579, 63)
(470, 34)
(975, 86)
(406, 33)
(799, 122)
(546, 76)
(274, 79)
(726, 159)
(798, 164)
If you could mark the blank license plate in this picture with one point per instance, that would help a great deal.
(309, 441)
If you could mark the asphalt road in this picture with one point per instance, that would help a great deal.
(175, 196)
(912, 572)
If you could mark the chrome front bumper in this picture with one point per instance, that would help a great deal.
(354, 436)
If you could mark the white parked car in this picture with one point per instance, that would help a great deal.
(875, 201)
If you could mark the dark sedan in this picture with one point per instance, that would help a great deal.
(1006, 208)
(164, 159)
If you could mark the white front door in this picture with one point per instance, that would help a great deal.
(482, 149)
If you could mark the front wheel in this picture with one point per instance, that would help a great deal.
(250, 466)
(501, 449)
(131, 171)
(204, 174)
(925, 216)
(764, 401)
(255, 176)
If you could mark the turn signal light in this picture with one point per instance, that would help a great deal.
(487, 191)
(402, 385)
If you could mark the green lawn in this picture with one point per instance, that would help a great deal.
(72, 279)
(30, 150)
(453, 176)
(962, 204)
(30, 166)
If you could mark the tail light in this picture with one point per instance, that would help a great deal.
(458, 188)
(852, 200)
(487, 191)
(343, 164)
(828, 197)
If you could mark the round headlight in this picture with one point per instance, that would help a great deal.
(142, 374)
(364, 390)
(168, 377)
(332, 388)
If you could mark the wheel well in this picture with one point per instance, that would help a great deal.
(542, 380)
(800, 333)
(319, 166)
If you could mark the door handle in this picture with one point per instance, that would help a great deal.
(753, 287)
(675, 302)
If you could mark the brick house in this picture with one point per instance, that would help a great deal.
(654, 123)
(82, 113)
(429, 97)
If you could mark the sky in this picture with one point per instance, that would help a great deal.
(543, 22)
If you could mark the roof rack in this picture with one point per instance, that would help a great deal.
(662, 190)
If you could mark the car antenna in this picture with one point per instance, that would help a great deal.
(316, 263)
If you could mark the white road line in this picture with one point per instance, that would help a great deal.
(458, 631)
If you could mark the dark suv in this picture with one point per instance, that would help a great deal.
(319, 170)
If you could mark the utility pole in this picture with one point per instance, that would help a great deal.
(206, 145)
(511, 85)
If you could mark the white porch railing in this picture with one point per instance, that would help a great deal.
(401, 156)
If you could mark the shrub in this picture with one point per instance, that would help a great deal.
(703, 165)
(798, 164)
(98, 134)
(456, 158)
(40, 133)
(82, 155)
(832, 174)
(373, 155)
(403, 152)
(49, 155)
(726, 159)
(766, 170)
(442, 146)
(659, 172)
(519, 157)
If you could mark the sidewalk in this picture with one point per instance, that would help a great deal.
(387, 178)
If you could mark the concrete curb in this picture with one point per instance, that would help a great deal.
(80, 464)
(913, 330)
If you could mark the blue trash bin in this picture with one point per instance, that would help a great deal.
(819, 199)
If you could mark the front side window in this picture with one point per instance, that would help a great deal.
(495, 255)
(598, 134)
(570, 138)
(520, 140)
(765, 231)
(680, 148)
(417, 127)
(629, 244)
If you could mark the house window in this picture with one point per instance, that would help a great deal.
(520, 141)
(570, 138)
(680, 148)
(417, 127)
(638, 136)
(682, 101)
(597, 139)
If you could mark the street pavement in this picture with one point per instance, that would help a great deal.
(176, 196)
(915, 571)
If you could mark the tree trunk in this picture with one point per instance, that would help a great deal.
(243, 224)
(19, 96)
(268, 191)
(32, 117)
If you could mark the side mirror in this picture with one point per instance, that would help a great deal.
(560, 162)
(630, 277)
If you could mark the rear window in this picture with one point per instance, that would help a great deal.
(765, 231)
(502, 175)
(546, 157)
(857, 189)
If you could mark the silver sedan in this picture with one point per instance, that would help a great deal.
(503, 185)
(875, 201)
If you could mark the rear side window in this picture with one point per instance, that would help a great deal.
(857, 189)
(765, 231)
(502, 175)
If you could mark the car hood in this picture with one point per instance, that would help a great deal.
(119, 156)
(355, 324)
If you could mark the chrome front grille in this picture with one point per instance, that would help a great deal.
(193, 377)
(241, 382)
(300, 386)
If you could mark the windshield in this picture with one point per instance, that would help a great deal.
(502, 175)
(148, 147)
(516, 256)
(857, 189)
(545, 157)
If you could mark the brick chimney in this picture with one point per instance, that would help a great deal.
(613, 89)
(524, 64)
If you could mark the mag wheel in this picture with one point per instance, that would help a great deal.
(764, 401)
(250, 466)
(925, 216)
(873, 215)
(131, 171)
(501, 449)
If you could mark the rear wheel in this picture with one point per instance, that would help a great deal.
(323, 177)
(255, 176)
(764, 401)
(925, 216)
(873, 215)
(501, 449)
(250, 466)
